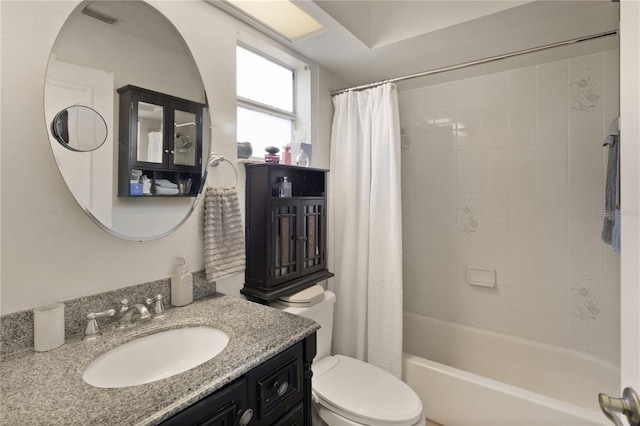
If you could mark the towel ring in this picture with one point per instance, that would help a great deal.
(215, 159)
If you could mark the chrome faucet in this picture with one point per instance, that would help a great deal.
(157, 305)
(127, 312)
(91, 330)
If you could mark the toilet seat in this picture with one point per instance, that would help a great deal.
(302, 299)
(363, 393)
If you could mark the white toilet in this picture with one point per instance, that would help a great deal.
(347, 391)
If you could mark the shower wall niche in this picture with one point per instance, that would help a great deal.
(507, 171)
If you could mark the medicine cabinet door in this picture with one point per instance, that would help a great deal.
(149, 141)
(185, 138)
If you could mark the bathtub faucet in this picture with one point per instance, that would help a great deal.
(629, 405)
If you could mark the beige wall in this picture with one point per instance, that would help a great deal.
(50, 249)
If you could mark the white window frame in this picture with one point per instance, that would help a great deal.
(260, 107)
(304, 89)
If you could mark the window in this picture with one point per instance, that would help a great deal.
(266, 101)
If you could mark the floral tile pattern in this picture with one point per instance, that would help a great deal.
(586, 304)
(467, 219)
(586, 92)
(405, 139)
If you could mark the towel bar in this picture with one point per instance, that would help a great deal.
(215, 159)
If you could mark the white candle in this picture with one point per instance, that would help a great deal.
(48, 327)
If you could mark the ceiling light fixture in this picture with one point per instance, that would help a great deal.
(281, 16)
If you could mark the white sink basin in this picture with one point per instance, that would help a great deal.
(155, 357)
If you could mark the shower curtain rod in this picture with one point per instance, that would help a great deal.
(476, 62)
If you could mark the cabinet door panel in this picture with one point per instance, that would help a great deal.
(293, 418)
(220, 409)
(224, 417)
(285, 262)
(276, 386)
(312, 236)
(149, 147)
(185, 138)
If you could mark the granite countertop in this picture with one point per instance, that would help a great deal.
(47, 387)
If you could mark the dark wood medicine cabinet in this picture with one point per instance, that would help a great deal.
(285, 236)
(161, 136)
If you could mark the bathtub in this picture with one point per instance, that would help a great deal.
(471, 376)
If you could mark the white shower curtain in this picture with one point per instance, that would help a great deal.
(154, 150)
(365, 227)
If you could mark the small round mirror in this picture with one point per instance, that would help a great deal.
(79, 128)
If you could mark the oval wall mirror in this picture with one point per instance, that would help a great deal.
(79, 128)
(103, 46)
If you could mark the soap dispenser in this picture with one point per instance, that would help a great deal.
(181, 284)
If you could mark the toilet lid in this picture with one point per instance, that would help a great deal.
(364, 393)
(307, 297)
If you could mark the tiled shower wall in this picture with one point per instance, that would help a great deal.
(507, 171)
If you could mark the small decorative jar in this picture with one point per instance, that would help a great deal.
(272, 155)
(244, 150)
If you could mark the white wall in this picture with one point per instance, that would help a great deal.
(506, 171)
(630, 174)
(50, 249)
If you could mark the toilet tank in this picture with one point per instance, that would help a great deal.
(322, 313)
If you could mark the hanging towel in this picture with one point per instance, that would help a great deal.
(611, 232)
(615, 234)
(224, 250)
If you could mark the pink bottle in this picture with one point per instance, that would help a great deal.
(287, 154)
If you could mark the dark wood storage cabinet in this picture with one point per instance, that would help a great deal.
(277, 392)
(285, 236)
(161, 135)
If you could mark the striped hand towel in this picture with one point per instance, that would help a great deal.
(224, 250)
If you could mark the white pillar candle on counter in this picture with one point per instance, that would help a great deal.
(48, 327)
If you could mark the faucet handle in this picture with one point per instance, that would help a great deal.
(92, 331)
(107, 313)
(158, 306)
(124, 305)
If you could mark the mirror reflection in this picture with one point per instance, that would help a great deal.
(79, 128)
(185, 137)
(150, 131)
(90, 59)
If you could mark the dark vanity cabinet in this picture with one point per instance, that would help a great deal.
(161, 136)
(285, 236)
(223, 408)
(277, 392)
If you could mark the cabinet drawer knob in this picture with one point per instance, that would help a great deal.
(281, 388)
(245, 418)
